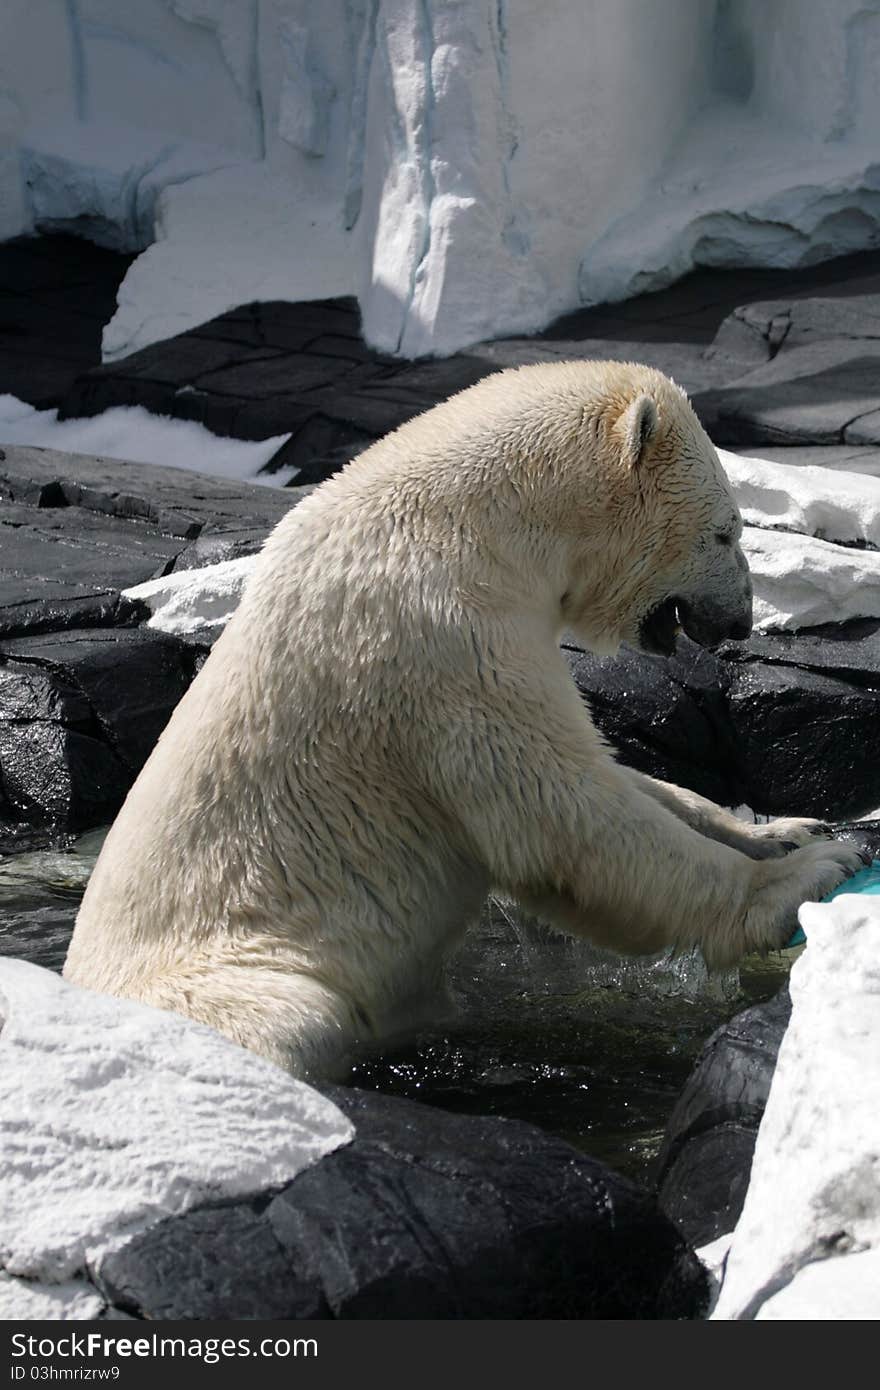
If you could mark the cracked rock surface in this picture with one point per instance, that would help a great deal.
(427, 1214)
(808, 374)
(84, 690)
(784, 723)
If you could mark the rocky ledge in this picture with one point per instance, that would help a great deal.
(85, 688)
(279, 1201)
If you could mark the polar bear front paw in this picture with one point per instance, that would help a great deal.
(782, 836)
(781, 886)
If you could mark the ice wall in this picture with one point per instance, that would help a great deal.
(468, 167)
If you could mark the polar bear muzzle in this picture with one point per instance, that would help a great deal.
(704, 621)
(708, 623)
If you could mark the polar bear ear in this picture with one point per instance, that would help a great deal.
(638, 425)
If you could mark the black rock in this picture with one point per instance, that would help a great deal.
(809, 745)
(788, 724)
(805, 711)
(172, 502)
(424, 1215)
(215, 1263)
(704, 1165)
(668, 718)
(76, 530)
(79, 714)
(808, 374)
(266, 369)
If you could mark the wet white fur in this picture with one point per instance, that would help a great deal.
(386, 729)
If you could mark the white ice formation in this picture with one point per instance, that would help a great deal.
(807, 1245)
(468, 168)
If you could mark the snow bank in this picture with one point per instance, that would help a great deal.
(828, 503)
(794, 516)
(468, 168)
(807, 1245)
(740, 191)
(801, 582)
(187, 601)
(74, 1300)
(116, 1115)
(130, 432)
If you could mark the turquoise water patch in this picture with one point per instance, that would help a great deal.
(866, 881)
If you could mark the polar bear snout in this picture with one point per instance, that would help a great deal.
(709, 624)
(717, 606)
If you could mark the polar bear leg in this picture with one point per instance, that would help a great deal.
(283, 1015)
(757, 841)
(581, 843)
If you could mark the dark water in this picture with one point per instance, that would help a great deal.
(589, 1046)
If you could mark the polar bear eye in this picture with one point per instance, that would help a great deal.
(724, 538)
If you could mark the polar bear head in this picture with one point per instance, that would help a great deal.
(653, 527)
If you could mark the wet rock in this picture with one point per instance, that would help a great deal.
(804, 710)
(75, 530)
(79, 715)
(704, 1164)
(668, 718)
(809, 374)
(788, 724)
(217, 1263)
(275, 368)
(810, 745)
(281, 1200)
(425, 1214)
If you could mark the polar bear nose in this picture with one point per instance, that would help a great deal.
(709, 622)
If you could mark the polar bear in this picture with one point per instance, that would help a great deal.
(387, 728)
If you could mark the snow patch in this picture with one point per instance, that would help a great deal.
(818, 1146)
(187, 601)
(828, 503)
(737, 193)
(116, 1115)
(801, 582)
(72, 1300)
(132, 433)
(268, 240)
